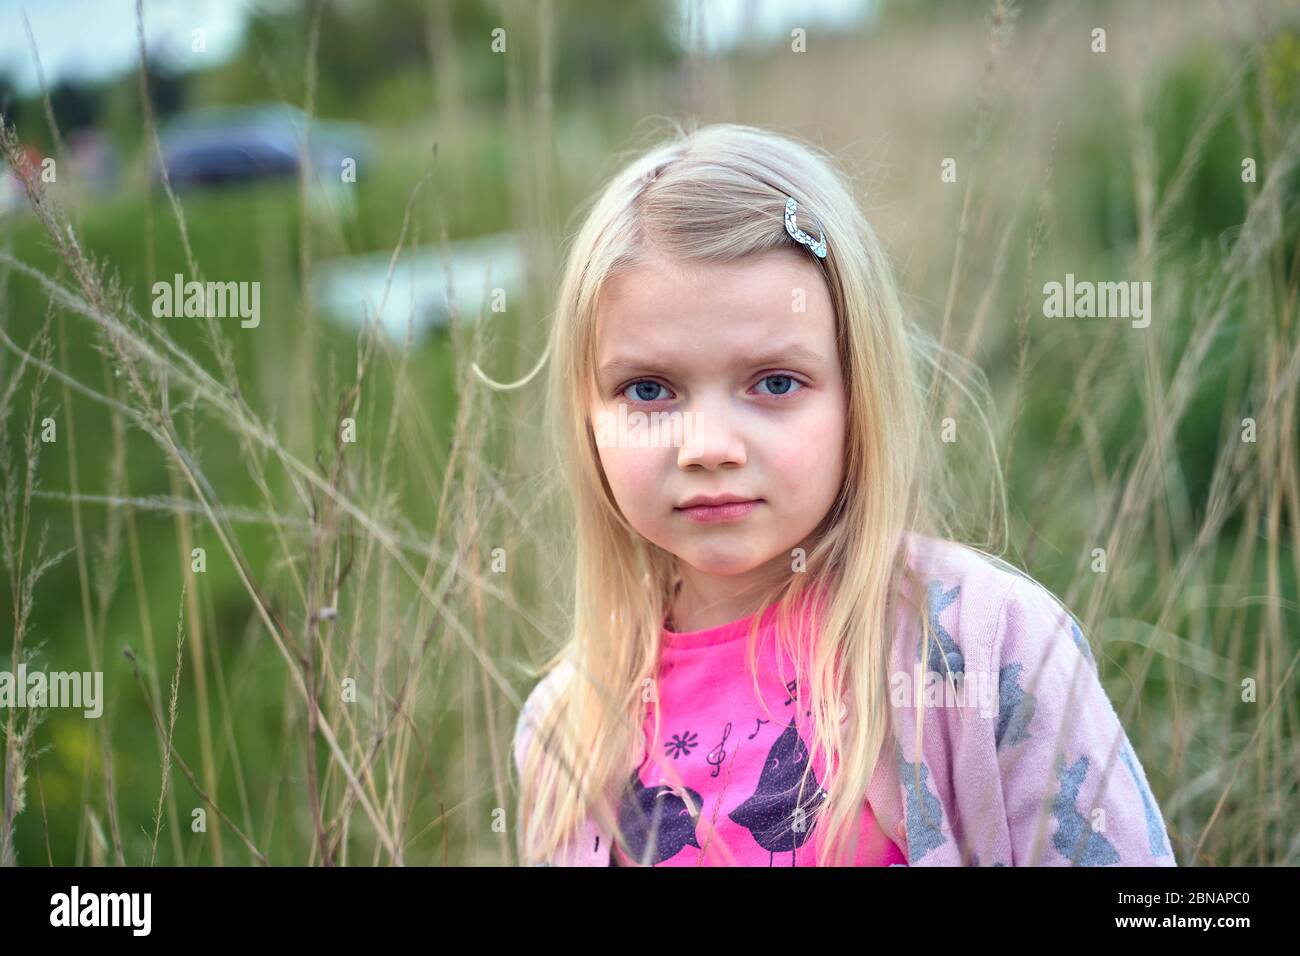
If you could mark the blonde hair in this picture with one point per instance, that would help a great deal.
(717, 193)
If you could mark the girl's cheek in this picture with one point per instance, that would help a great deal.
(806, 446)
(800, 436)
(634, 474)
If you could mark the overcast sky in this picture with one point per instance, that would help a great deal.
(84, 39)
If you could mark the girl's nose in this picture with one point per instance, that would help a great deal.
(710, 440)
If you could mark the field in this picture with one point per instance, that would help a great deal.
(334, 678)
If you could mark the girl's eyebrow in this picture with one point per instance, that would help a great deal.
(778, 355)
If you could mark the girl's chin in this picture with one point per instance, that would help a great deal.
(720, 565)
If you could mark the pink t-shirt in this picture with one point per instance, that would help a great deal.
(739, 767)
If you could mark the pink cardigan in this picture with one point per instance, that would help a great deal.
(1024, 761)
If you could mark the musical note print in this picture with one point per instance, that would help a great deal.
(719, 753)
(792, 687)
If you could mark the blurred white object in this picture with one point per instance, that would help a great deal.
(12, 197)
(428, 284)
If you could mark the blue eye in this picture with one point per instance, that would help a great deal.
(643, 391)
(783, 384)
(648, 390)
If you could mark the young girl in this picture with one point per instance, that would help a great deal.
(777, 656)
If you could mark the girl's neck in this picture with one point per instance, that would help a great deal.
(705, 601)
(686, 616)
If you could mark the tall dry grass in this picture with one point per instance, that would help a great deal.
(376, 561)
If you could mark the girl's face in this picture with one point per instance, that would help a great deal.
(735, 369)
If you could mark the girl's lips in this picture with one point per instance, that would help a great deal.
(731, 511)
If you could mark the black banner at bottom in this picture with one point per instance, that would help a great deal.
(306, 906)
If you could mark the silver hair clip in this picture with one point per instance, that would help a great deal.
(818, 246)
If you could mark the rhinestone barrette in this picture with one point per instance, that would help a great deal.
(818, 246)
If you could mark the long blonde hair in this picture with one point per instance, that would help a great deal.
(717, 193)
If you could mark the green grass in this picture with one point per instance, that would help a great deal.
(460, 475)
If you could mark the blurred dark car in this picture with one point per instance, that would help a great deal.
(222, 145)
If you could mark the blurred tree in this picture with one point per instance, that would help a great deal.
(167, 88)
(9, 100)
(365, 46)
(603, 39)
(978, 10)
(76, 105)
